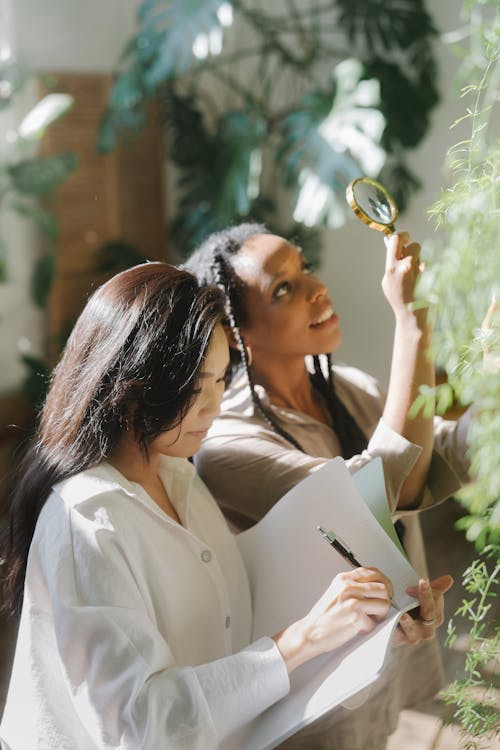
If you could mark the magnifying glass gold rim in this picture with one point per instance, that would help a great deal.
(379, 226)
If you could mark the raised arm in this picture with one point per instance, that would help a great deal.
(411, 364)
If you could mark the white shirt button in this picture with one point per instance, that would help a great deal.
(206, 555)
(228, 622)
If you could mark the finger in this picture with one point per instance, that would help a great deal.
(409, 630)
(395, 244)
(490, 313)
(423, 593)
(365, 574)
(365, 590)
(412, 250)
(443, 583)
(373, 607)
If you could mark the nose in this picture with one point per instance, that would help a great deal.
(317, 289)
(212, 400)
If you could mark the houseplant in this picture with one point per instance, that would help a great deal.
(274, 109)
(463, 282)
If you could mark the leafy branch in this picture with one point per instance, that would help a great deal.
(462, 281)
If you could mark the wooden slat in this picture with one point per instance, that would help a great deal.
(116, 197)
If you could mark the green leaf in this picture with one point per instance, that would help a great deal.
(3, 264)
(189, 141)
(396, 25)
(106, 134)
(118, 256)
(36, 382)
(43, 174)
(330, 139)
(45, 220)
(42, 279)
(45, 112)
(13, 78)
(218, 189)
(170, 29)
(401, 92)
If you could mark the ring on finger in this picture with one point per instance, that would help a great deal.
(430, 621)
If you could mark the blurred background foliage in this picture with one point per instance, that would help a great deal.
(26, 177)
(28, 185)
(463, 283)
(271, 109)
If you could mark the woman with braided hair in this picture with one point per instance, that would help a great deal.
(288, 410)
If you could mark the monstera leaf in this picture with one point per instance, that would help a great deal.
(169, 33)
(332, 139)
(265, 87)
(398, 24)
(172, 35)
(221, 171)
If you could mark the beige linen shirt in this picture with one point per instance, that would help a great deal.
(248, 467)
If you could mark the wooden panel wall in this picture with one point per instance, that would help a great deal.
(119, 196)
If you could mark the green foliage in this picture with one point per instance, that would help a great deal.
(114, 257)
(25, 179)
(474, 697)
(463, 281)
(41, 175)
(464, 274)
(42, 278)
(285, 95)
(36, 381)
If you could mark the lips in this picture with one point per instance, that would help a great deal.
(199, 433)
(327, 315)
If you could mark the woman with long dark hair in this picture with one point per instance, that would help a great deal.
(135, 606)
(289, 409)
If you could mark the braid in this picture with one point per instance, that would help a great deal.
(211, 263)
(224, 279)
(352, 440)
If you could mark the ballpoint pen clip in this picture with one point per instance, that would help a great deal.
(331, 537)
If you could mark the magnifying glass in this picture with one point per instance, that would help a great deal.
(372, 204)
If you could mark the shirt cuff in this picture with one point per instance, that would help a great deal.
(398, 455)
(240, 687)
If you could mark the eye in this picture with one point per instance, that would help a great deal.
(282, 289)
(307, 267)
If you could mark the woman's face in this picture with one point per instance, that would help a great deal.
(288, 310)
(185, 439)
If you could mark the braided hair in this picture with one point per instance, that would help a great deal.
(212, 264)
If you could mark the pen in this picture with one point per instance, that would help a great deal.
(334, 540)
(346, 553)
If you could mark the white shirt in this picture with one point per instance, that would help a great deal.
(135, 630)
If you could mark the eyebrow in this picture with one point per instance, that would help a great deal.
(204, 375)
(279, 274)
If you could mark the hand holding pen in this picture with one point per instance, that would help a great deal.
(335, 541)
(430, 595)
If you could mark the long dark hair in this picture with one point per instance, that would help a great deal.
(212, 263)
(132, 359)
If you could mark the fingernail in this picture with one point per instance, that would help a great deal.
(425, 584)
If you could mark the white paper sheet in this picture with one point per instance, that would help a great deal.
(290, 565)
